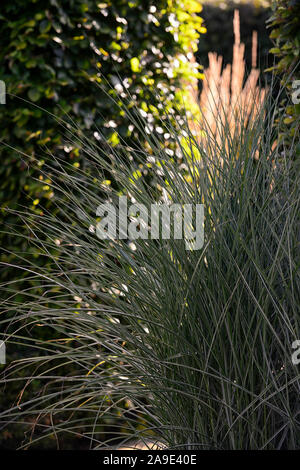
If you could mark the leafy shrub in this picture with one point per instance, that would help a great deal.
(285, 24)
(226, 95)
(198, 342)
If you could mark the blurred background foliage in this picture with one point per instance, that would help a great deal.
(70, 57)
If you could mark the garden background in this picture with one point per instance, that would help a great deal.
(72, 58)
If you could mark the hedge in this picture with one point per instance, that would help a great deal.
(56, 53)
(218, 17)
(65, 56)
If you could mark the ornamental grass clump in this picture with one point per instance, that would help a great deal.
(226, 94)
(184, 348)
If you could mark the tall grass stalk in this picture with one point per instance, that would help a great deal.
(191, 349)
